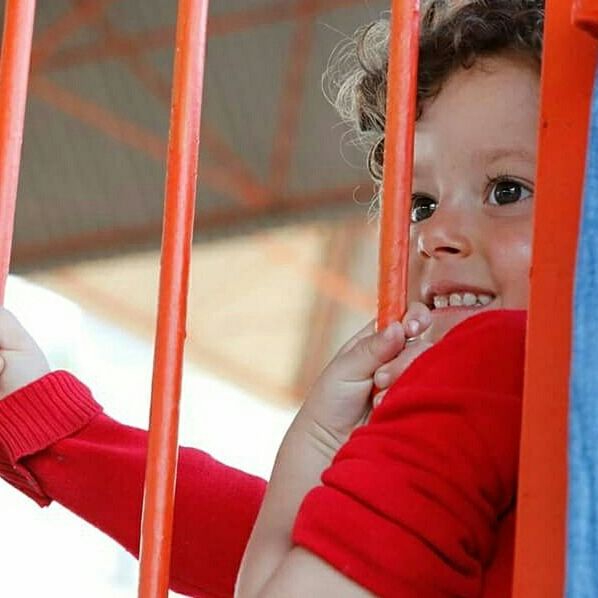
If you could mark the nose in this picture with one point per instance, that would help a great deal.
(442, 236)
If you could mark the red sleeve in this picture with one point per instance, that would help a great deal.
(55, 444)
(411, 504)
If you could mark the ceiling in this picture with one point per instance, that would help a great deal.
(97, 123)
(284, 261)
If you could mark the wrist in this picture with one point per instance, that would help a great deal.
(316, 437)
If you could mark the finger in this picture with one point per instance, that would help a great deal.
(390, 372)
(2, 364)
(366, 331)
(377, 400)
(417, 319)
(370, 353)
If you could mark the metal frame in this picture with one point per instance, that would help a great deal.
(568, 73)
(14, 74)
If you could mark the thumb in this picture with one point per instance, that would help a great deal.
(417, 319)
(370, 353)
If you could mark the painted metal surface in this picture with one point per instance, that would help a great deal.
(14, 74)
(585, 15)
(398, 161)
(181, 181)
(567, 78)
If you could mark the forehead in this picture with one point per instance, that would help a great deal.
(490, 107)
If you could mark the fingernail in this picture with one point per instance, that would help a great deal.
(377, 400)
(390, 331)
(412, 327)
(381, 379)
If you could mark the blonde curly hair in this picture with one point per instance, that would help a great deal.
(453, 35)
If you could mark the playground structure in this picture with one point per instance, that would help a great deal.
(567, 80)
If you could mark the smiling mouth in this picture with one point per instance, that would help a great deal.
(463, 299)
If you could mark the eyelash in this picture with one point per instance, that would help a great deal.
(504, 178)
(491, 182)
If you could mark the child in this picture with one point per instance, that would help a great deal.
(419, 501)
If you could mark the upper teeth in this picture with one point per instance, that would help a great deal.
(460, 299)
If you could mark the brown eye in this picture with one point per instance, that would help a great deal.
(422, 207)
(507, 191)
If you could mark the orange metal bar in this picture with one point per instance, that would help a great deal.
(567, 78)
(181, 180)
(585, 15)
(14, 73)
(398, 161)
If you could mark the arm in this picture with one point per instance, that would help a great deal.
(338, 402)
(97, 472)
(412, 503)
(56, 444)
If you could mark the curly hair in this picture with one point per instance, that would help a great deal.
(453, 35)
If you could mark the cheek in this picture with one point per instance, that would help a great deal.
(509, 255)
(415, 271)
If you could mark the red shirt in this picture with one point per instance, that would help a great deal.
(420, 501)
(417, 503)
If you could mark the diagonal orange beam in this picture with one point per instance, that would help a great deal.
(47, 43)
(219, 25)
(290, 105)
(324, 311)
(250, 190)
(234, 22)
(33, 254)
(142, 322)
(328, 281)
(98, 117)
(215, 176)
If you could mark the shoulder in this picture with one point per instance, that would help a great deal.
(485, 351)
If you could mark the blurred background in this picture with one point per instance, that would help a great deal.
(284, 261)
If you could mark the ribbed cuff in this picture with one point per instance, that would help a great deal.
(37, 416)
(43, 412)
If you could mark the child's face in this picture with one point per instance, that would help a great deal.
(475, 159)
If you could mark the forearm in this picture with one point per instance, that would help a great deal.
(301, 574)
(55, 446)
(305, 452)
(98, 475)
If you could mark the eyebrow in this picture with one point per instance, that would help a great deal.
(500, 153)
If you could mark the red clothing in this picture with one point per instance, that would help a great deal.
(420, 501)
(97, 472)
(425, 491)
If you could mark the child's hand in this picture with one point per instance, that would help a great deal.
(338, 402)
(415, 323)
(340, 399)
(21, 360)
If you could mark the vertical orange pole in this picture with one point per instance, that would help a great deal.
(181, 178)
(567, 80)
(585, 15)
(14, 74)
(398, 161)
